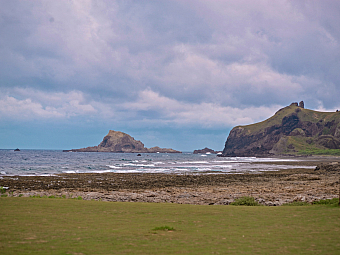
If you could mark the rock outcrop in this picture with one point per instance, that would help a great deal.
(205, 151)
(293, 130)
(302, 104)
(329, 167)
(116, 141)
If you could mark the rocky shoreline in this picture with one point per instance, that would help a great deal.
(268, 188)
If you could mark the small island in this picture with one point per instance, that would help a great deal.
(119, 142)
(206, 150)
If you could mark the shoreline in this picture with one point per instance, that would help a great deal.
(268, 188)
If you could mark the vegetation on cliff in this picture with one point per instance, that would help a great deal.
(293, 130)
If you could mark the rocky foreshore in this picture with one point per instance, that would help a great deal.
(268, 188)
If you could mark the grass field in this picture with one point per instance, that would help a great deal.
(65, 226)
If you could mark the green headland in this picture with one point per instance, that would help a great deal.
(292, 131)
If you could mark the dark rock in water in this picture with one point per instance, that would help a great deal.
(328, 167)
(205, 151)
(17, 149)
(116, 141)
(139, 155)
(290, 131)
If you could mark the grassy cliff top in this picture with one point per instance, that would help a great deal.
(303, 115)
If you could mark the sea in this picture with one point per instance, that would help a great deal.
(52, 162)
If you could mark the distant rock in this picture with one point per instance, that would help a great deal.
(116, 141)
(161, 150)
(293, 130)
(205, 151)
(329, 167)
(17, 149)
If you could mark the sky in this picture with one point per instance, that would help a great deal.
(171, 73)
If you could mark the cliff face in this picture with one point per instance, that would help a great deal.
(116, 141)
(293, 130)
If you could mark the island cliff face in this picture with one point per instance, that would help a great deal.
(293, 130)
(116, 141)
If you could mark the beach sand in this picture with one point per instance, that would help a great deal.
(268, 188)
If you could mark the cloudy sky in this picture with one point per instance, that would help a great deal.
(171, 73)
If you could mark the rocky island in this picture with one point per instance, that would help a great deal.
(292, 131)
(206, 150)
(116, 141)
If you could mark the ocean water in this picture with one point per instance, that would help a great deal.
(49, 162)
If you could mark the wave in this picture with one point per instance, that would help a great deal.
(194, 162)
(114, 167)
(138, 165)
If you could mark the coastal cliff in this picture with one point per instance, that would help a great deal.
(293, 130)
(116, 141)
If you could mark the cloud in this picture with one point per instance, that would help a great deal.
(195, 77)
(148, 109)
(230, 52)
(11, 107)
(207, 115)
(39, 105)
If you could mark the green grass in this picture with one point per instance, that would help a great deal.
(2, 190)
(301, 147)
(331, 202)
(246, 201)
(330, 152)
(69, 226)
(297, 203)
(164, 228)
